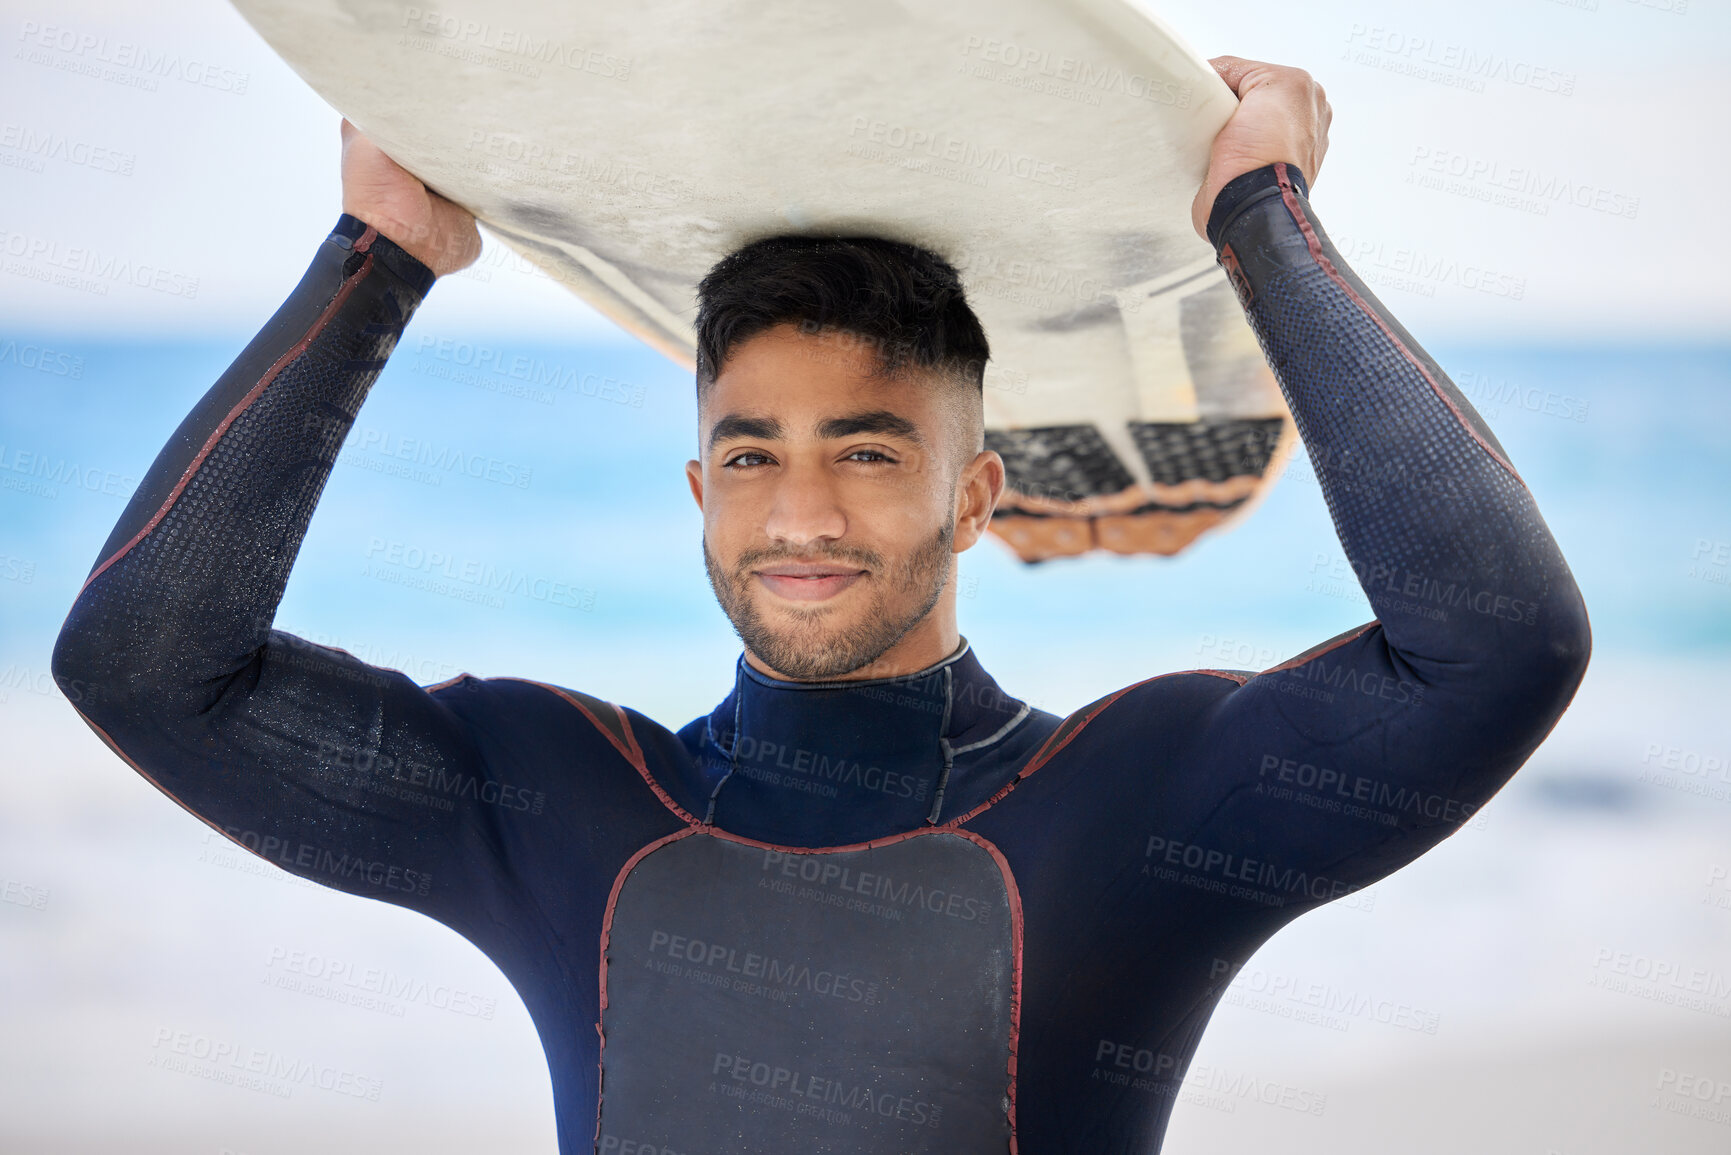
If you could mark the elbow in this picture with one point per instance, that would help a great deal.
(74, 663)
(87, 664)
(1567, 646)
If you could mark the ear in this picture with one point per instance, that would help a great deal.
(977, 494)
(694, 478)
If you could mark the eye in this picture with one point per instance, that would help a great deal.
(870, 455)
(746, 460)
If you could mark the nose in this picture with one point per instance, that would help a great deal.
(805, 508)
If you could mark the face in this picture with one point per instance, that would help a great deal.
(834, 502)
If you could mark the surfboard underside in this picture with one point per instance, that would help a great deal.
(1049, 149)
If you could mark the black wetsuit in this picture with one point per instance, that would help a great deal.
(897, 916)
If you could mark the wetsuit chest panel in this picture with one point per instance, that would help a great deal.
(831, 1001)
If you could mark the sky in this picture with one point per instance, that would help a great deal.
(220, 174)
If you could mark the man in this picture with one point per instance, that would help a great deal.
(871, 902)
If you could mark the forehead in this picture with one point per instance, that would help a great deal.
(803, 377)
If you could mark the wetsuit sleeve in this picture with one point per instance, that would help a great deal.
(300, 753)
(1332, 769)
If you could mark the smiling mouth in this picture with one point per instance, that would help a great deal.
(807, 582)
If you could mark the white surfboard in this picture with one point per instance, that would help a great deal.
(1050, 149)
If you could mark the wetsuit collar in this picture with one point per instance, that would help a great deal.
(833, 763)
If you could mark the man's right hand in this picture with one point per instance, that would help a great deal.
(376, 189)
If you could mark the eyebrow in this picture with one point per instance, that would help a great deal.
(737, 425)
(879, 421)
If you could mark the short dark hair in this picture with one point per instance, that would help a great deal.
(904, 301)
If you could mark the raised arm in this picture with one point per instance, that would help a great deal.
(1328, 771)
(334, 769)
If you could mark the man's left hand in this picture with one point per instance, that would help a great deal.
(1282, 115)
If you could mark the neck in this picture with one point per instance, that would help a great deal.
(847, 760)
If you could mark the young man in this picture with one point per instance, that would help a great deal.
(871, 902)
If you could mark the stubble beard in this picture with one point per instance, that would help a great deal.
(808, 650)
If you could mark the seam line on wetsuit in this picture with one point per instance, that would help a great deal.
(252, 395)
(944, 748)
(342, 294)
(1322, 648)
(1290, 199)
(1001, 732)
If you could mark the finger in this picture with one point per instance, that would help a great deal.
(1234, 69)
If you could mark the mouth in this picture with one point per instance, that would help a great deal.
(807, 581)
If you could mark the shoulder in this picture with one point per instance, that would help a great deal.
(514, 711)
(1164, 706)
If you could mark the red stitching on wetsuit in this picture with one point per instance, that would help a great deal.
(323, 319)
(1290, 197)
(240, 407)
(632, 752)
(1016, 938)
(447, 682)
(143, 773)
(606, 938)
(1049, 751)
(1328, 648)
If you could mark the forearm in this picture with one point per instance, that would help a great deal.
(1442, 532)
(184, 590)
